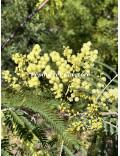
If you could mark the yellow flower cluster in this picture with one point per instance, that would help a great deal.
(18, 59)
(57, 86)
(86, 124)
(34, 55)
(20, 70)
(64, 69)
(14, 83)
(37, 68)
(77, 126)
(83, 125)
(33, 63)
(93, 109)
(90, 120)
(96, 124)
(33, 68)
(93, 114)
(86, 85)
(111, 95)
(43, 61)
(74, 60)
(33, 82)
(75, 84)
(86, 54)
(66, 109)
(100, 85)
(67, 52)
(7, 76)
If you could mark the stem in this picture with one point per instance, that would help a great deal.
(102, 113)
(21, 25)
(6, 109)
(61, 148)
(67, 90)
(111, 124)
(109, 113)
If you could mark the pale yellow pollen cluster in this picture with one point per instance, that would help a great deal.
(6, 75)
(34, 55)
(86, 85)
(110, 95)
(53, 79)
(33, 82)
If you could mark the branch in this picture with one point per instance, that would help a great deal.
(103, 113)
(109, 113)
(6, 109)
(21, 25)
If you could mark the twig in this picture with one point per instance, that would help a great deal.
(103, 113)
(109, 113)
(67, 90)
(21, 25)
(6, 109)
(61, 148)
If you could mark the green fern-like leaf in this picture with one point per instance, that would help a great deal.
(110, 126)
(37, 131)
(105, 65)
(23, 99)
(105, 74)
(68, 152)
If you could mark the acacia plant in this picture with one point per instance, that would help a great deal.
(70, 94)
(59, 103)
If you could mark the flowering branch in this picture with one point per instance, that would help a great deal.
(106, 87)
(21, 25)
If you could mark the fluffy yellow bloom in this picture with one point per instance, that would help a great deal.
(33, 82)
(103, 78)
(76, 99)
(6, 75)
(34, 55)
(16, 86)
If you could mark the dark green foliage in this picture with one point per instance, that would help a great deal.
(13, 13)
(13, 119)
(103, 144)
(5, 147)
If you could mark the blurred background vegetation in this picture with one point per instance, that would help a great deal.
(71, 24)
